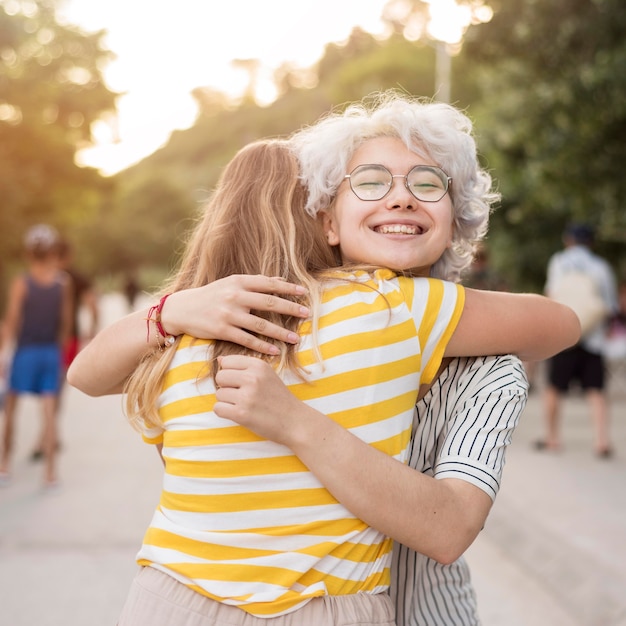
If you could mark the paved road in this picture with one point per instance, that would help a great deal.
(560, 523)
(553, 552)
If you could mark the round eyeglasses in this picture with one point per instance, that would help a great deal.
(427, 183)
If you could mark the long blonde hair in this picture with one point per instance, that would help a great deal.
(254, 223)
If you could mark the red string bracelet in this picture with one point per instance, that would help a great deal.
(156, 311)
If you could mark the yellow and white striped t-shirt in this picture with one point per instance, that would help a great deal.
(241, 519)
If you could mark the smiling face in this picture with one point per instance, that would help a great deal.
(398, 232)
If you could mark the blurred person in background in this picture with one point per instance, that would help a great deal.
(482, 275)
(36, 326)
(131, 289)
(579, 274)
(84, 297)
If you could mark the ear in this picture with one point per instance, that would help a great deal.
(330, 230)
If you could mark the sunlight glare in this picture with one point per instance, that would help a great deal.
(448, 21)
(164, 51)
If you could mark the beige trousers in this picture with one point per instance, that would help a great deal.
(156, 599)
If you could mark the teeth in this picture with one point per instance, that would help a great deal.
(398, 228)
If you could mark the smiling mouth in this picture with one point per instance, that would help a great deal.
(403, 229)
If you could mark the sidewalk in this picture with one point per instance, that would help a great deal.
(67, 557)
(553, 552)
(560, 520)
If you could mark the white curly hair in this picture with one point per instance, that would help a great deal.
(435, 130)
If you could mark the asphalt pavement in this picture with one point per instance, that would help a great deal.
(553, 551)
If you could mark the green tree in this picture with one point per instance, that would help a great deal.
(191, 161)
(553, 122)
(544, 82)
(51, 90)
(365, 65)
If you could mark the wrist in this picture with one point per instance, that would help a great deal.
(154, 320)
(168, 315)
(307, 430)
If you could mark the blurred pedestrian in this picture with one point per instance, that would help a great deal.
(36, 325)
(131, 290)
(586, 282)
(84, 297)
(3, 381)
(482, 275)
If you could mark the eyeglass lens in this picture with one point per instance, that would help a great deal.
(373, 182)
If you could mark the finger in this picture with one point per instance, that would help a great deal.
(271, 302)
(227, 380)
(235, 385)
(236, 362)
(226, 394)
(242, 324)
(259, 325)
(251, 342)
(225, 410)
(257, 344)
(247, 298)
(272, 284)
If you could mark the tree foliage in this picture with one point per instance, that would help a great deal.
(543, 82)
(552, 114)
(51, 90)
(193, 158)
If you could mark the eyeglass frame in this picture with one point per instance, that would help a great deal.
(448, 181)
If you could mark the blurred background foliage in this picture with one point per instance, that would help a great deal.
(544, 82)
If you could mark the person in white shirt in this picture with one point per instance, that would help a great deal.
(583, 363)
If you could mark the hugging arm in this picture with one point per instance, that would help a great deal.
(530, 326)
(219, 310)
(436, 517)
(439, 518)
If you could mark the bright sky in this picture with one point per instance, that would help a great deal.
(165, 49)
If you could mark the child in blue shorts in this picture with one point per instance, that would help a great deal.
(35, 326)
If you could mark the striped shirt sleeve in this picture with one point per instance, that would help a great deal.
(484, 398)
(462, 429)
(437, 307)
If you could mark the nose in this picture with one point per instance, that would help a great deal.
(399, 197)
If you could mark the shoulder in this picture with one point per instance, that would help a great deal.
(430, 290)
(21, 279)
(19, 284)
(17, 294)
